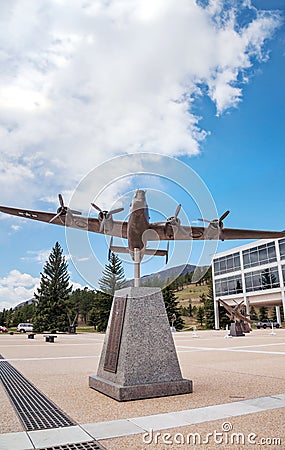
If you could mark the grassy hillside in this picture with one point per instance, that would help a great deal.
(191, 293)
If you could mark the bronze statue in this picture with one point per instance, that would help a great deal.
(138, 230)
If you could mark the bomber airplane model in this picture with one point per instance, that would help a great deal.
(138, 230)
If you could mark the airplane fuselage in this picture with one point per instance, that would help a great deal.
(138, 221)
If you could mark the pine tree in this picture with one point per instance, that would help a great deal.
(190, 309)
(203, 298)
(81, 303)
(268, 280)
(263, 313)
(113, 276)
(209, 308)
(100, 312)
(252, 313)
(172, 307)
(53, 294)
(223, 318)
(200, 315)
(273, 315)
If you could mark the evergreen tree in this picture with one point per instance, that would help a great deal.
(172, 307)
(53, 294)
(81, 302)
(209, 308)
(7, 317)
(200, 315)
(189, 309)
(203, 298)
(263, 313)
(100, 312)
(223, 318)
(273, 315)
(23, 313)
(268, 280)
(113, 276)
(252, 313)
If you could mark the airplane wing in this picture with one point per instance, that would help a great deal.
(232, 233)
(119, 228)
(168, 232)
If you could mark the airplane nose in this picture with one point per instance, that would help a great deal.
(140, 194)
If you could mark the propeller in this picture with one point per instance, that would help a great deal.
(173, 220)
(63, 210)
(217, 223)
(104, 216)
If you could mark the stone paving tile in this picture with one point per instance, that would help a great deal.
(265, 403)
(113, 428)
(15, 441)
(58, 436)
(216, 412)
(158, 421)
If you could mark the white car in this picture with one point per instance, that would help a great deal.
(23, 327)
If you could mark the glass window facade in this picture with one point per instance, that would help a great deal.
(282, 248)
(228, 286)
(283, 273)
(262, 279)
(227, 264)
(256, 256)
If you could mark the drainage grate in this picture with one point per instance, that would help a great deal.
(92, 445)
(34, 409)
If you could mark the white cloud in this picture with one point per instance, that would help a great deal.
(16, 227)
(16, 287)
(82, 81)
(39, 256)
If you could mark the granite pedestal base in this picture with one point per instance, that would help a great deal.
(236, 329)
(140, 391)
(138, 358)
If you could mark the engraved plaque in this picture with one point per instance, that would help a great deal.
(115, 334)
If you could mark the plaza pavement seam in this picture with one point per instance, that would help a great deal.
(51, 358)
(105, 430)
(142, 424)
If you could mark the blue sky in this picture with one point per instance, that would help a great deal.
(203, 84)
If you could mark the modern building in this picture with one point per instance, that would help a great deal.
(253, 273)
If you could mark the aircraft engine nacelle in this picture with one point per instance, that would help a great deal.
(173, 221)
(106, 221)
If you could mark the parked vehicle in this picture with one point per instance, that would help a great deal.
(23, 327)
(3, 329)
(267, 323)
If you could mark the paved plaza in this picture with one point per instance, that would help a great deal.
(238, 399)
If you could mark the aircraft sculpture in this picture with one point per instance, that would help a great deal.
(138, 230)
(234, 312)
(237, 315)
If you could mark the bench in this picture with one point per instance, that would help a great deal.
(50, 337)
(31, 335)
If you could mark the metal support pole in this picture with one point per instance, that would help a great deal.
(216, 310)
(278, 315)
(137, 263)
(216, 304)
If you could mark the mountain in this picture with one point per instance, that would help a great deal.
(159, 278)
(29, 302)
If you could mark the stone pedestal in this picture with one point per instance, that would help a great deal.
(236, 329)
(138, 358)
